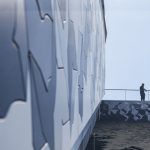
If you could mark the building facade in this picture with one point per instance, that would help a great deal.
(52, 64)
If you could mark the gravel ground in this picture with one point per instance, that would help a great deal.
(121, 136)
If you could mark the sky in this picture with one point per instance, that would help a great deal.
(128, 43)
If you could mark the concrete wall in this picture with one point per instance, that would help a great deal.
(52, 64)
(125, 111)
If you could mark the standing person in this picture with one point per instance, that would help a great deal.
(142, 92)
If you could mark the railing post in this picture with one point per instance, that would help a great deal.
(125, 95)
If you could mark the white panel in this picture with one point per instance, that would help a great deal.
(16, 128)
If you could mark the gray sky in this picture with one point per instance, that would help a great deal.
(128, 43)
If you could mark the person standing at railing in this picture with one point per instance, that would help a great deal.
(142, 92)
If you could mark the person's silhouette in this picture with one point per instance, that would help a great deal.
(142, 92)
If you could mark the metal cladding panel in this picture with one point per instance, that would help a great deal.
(52, 58)
(40, 39)
(45, 8)
(81, 75)
(12, 56)
(72, 68)
(63, 8)
(42, 107)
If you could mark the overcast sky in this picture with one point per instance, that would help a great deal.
(128, 43)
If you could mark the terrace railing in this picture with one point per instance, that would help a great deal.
(125, 94)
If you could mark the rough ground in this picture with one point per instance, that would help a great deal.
(121, 136)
